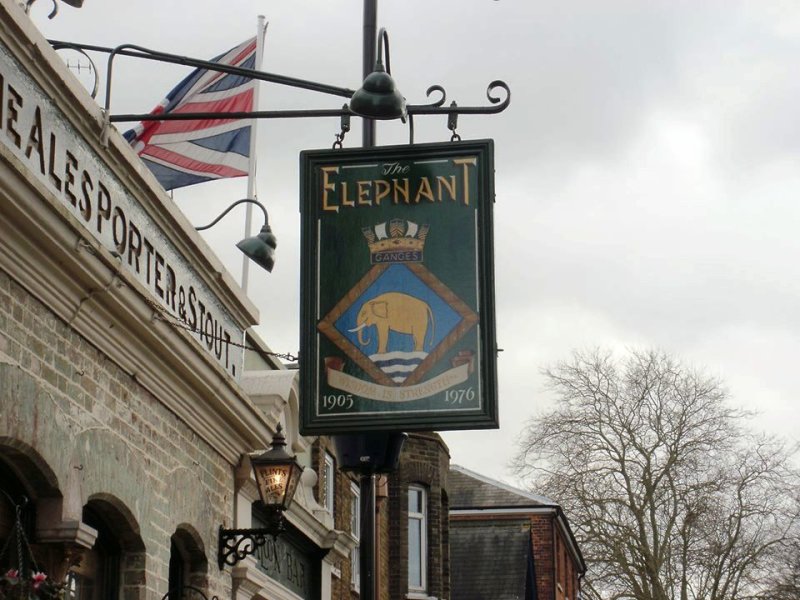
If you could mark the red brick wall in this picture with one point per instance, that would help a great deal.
(556, 569)
(543, 558)
(341, 587)
(425, 460)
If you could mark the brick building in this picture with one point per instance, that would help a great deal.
(412, 554)
(508, 543)
(130, 399)
(418, 528)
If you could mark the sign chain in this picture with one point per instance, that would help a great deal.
(162, 314)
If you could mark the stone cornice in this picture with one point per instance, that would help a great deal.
(80, 282)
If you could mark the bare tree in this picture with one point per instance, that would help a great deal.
(670, 496)
(784, 580)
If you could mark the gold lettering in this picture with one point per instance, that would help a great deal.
(345, 201)
(382, 189)
(466, 162)
(424, 190)
(397, 183)
(441, 182)
(328, 186)
(363, 193)
(337, 194)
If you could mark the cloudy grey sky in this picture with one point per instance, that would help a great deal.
(647, 170)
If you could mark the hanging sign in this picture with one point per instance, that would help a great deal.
(397, 312)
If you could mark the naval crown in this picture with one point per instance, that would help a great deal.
(396, 241)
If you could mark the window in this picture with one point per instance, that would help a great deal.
(328, 483)
(355, 530)
(96, 577)
(417, 538)
(188, 565)
(14, 497)
(177, 571)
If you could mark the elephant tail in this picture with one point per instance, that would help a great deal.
(433, 325)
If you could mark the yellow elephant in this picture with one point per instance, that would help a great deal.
(397, 312)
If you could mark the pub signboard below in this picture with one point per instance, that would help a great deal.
(397, 281)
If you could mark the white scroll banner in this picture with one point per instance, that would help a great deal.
(382, 393)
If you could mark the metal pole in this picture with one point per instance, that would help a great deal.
(368, 530)
(370, 41)
(261, 30)
(367, 482)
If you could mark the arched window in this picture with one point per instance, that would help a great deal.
(188, 565)
(178, 568)
(14, 496)
(27, 483)
(97, 575)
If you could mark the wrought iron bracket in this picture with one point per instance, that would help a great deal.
(498, 103)
(187, 591)
(236, 544)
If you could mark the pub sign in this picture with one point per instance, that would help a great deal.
(397, 287)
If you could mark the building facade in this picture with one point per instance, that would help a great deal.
(130, 397)
(509, 544)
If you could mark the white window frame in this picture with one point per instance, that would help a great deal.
(329, 481)
(355, 531)
(422, 518)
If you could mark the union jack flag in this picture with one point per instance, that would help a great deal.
(181, 153)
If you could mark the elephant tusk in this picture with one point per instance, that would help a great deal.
(355, 329)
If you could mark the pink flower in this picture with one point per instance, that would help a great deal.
(38, 579)
(12, 573)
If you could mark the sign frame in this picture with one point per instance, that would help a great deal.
(378, 223)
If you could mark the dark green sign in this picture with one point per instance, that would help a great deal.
(397, 281)
(291, 560)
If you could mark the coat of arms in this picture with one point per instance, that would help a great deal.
(399, 320)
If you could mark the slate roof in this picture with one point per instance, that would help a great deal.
(491, 560)
(467, 489)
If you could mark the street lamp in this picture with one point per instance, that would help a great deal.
(259, 248)
(378, 97)
(277, 474)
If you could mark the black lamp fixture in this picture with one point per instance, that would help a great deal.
(259, 248)
(277, 474)
(378, 97)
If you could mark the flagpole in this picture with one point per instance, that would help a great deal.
(251, 171)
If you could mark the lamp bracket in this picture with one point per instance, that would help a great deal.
(498, 104)
(187, 591)
(236, 544)
(227, 210)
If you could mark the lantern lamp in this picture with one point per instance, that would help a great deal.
(277, 474)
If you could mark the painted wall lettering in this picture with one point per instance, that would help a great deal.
(36, 132)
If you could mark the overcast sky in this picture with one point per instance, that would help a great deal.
(647, 170)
